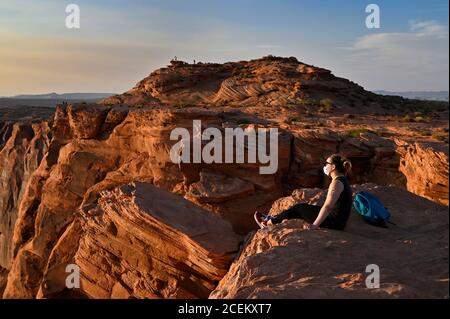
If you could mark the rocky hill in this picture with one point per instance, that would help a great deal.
(95, 186)
(269, 82)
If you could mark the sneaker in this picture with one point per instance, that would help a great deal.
(261, 219)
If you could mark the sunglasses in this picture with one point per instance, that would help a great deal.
(326, 163)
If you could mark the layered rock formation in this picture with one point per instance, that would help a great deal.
(25, 146)
(3, 277)
(142, 242)
(266, 82)
(53, 174)
(88, 154)
(285, 261)
(425, 166)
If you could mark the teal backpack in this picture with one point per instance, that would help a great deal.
(371, 209)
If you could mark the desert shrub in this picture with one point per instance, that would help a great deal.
(416, 117)
(407, 118)
(325, 105)
(419, 119)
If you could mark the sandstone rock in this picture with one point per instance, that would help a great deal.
(285, 261)
(76, 169)
(20, 156)
(373, 141)
(3, 276)
(355, 148)
(27, 265)
(5, 132)
(86, 120)
(374, 159)
(47, 174)
(214, 188)
(310, 149)
(260, 82)
(143, 242)
(426, 169)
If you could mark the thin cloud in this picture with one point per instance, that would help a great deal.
(429, 28)
(404, 60)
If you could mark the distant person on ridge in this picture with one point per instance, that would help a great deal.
(336, 209)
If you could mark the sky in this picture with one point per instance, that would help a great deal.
(120, 42)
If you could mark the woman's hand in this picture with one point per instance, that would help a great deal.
(308, 226)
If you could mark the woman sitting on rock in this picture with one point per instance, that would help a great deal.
(336, 209)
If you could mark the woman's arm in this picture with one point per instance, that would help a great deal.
(334, 191)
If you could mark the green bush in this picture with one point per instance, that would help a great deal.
(325, 105)
(407, 118)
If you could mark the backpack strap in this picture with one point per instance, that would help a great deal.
(360, 194)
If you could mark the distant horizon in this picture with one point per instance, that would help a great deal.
(116, 93)
(120, 43)
(62, 93)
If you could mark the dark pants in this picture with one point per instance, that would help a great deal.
(303, 211)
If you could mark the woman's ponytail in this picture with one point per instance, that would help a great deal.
(347, 165)
(343, 165)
